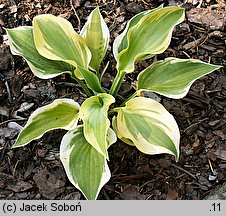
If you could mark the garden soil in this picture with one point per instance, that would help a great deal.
(35, 171)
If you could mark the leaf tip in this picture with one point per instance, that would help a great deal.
(16, 144)
(177, 155)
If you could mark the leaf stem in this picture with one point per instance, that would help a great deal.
(114, 110)
(104, 70)
(137, 93)
(84, 87)
(117, 83)
(98, 74)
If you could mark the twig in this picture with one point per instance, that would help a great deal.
(8, 91)
(180, 168)
(73, 8)
(147, 182)
(14, 168)
(138, 176)
(200, 4)
(105, 194)
(10, 120)
(145, 2)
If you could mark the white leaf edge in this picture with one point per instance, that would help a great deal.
(72, 125)
(119, 38)
(172, 132)
(186, 90)
(68, 30)
(36, 71)
(105, 30)
(65, 151)
(111, 137)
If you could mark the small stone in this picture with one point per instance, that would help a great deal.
(38, 5)
(134, 8)
(212, 177)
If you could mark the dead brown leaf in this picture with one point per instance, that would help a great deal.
(218, 153)
(172, 194)
(220, 133)
(48, 184)
(131, 192)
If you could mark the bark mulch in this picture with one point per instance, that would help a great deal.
(35, 171)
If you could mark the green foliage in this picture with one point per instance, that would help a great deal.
(52, 47)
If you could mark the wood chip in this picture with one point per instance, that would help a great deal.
(212, 19)
(48, 183)
(131, 192)
(172, 195)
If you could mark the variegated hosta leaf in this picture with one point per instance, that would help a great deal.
(149, 126)
(91, 79)
(173, 77)
(61, 113)
(121, 42)
(119, 134)
(22, 44)
(96, 35)
(94, 112)
(151, 35)
(85, 167)
(111, 137)
(56, 39)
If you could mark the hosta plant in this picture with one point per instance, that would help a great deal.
(52, 47)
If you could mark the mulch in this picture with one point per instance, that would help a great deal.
(35, 171)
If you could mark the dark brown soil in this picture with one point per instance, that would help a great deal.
(35, 171)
